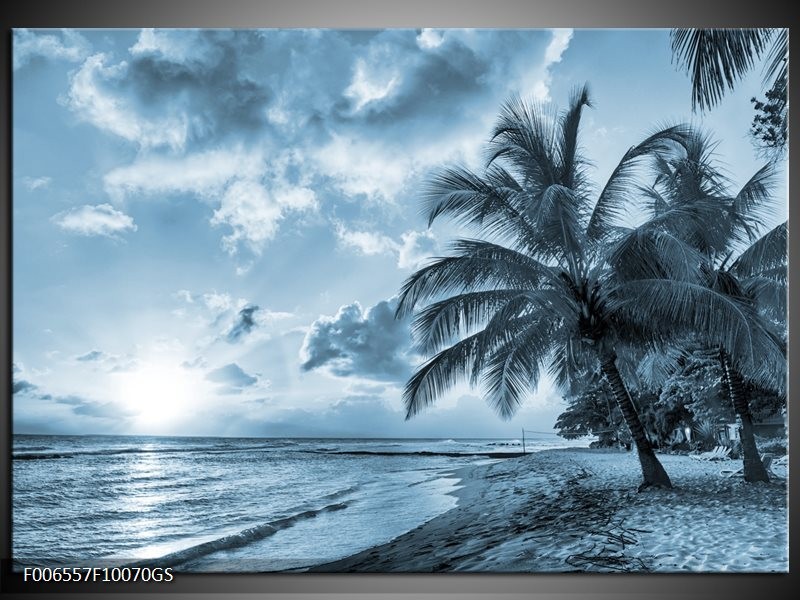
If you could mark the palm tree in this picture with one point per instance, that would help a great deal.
(753, 277)
(540, 285)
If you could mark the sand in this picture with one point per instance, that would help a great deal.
(578, 510)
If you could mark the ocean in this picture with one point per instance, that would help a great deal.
(228, 504)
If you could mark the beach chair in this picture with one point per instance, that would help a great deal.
(766, 460)
(782, 464)
(718, 453)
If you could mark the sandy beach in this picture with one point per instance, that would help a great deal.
(578, 510)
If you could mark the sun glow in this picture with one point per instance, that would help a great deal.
(159, 395)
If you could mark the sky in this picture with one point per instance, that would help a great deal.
(211, 227)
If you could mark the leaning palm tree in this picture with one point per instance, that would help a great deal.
(537, 288)
(747, 269)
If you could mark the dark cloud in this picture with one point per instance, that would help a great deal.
(232, 378)
(212, 89)
(70, 400)
(22, 386)
(106, 410)
(370, 344)
(243, 325)
(79, 406)
(432, 83)
(92, 356)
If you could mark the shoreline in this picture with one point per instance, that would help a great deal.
(577, 509)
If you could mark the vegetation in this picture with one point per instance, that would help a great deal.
(716, 59)
(753, 278)
(554, 280)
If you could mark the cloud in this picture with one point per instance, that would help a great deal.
(365, 166)
(416, 248)
(175, 88)
(66, 45)
(92, 356)
(204, 173)
(92, 97)
(365, 242)
(37, 412)
(251, 197)
(110, 363)
(197, 363)
(169, 45)
(232, 320)
(368, 84)
(243, 325)
(36, 183)
(232, 377)
(552, 55)
(413, 248)
(21, 386)
(263, 125)
(370, 344)
(101, 410)
(251, 212)
(429, 39)
(88, 220)
(218, 303)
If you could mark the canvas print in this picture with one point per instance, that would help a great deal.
(401, 300)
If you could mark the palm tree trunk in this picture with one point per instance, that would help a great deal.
(652, 470)
(753, 467)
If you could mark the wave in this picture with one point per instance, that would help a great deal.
(236, 540)
(167, 450)
(488, 454)
(341, 493)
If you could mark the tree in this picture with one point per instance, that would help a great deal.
(549, 281)
(716, 58)
(753, 278)
(592, 411)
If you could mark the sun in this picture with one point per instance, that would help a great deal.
(159, 395)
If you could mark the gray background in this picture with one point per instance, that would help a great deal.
(378, 14)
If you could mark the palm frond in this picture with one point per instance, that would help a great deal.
(512, 370)
(765, 254)
(777, 65)
(441, 373)
(557, 220)
(457, 316)
(476, 265)
(463, 361)
(658, 363)
(716, 58)
(572, 363)
(754, 195)
(655, 204)
(617, 193)
(525, 137)
(494, 205)
(571, 163)
(680, 307)
(769, 295)
(649, 253)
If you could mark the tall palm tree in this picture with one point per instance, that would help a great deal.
(535, 288)
(749, 270)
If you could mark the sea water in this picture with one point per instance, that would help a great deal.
(227, 504)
